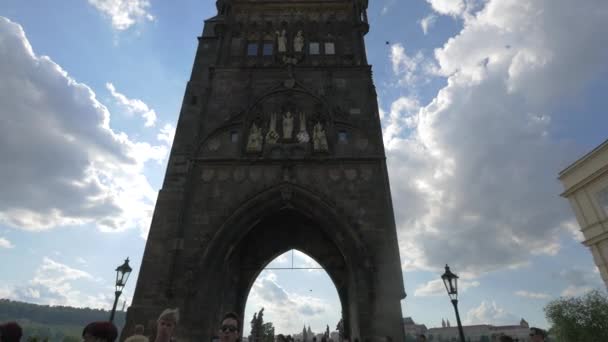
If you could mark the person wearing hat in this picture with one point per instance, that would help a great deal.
(165, 325)
(10, 332)
(101, 331)
(537, 335)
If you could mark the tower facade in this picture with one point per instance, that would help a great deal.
(278, 146)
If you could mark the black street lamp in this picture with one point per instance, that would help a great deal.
(450, 280)
(122, 275)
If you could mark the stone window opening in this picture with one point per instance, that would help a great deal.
(313, 48)
(252, 48)
(236, 46)
(330, 48)
(268, 48)
(234, 136)
(343, 137)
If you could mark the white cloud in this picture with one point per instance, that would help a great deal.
(286, 310)
(579, 281)
(575, 291)
(124, 13)
(437, 288)
(406, 67)
(166, 134)
(476, 169)
(427, 22)
(54, 284)
(134, 106)
(489, 313)
(67, 166)
(387, 6)
(533, 295)
(448, 7)
(4, 243)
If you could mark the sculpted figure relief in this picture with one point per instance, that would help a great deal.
(298, 42)
(319, 138)
(282, 41)
(287, 125)
(303, 136)
(272, 136)
(255, 140)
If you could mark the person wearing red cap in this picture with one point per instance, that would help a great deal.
(99, 332)
(10, 332)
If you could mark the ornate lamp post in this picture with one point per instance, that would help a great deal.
(122, 275)
(450, 280)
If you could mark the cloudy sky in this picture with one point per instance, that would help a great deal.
(483, 102)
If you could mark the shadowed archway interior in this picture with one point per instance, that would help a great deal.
(284, 231)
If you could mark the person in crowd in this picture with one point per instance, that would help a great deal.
(421, 338)
(10, 332)
(229, 329)
(138, 336)
(537, 335)
(166, 324)
(101, 331)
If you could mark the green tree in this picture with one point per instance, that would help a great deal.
(579, 319)
(267, 332)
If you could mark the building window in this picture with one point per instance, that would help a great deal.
(602, 200)
(268, 48)
(330, 48)
(252, 49)
(234, 136)
(193, 100)
(313, 48)
(235, 47)
(342, 137)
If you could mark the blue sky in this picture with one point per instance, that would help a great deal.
(483, 102)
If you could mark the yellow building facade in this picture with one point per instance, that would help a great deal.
(586, 188)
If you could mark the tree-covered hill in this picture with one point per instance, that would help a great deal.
(55, 323)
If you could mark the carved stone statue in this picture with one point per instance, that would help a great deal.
(298, 42)
(319, 138)
(255, 140)
(282, 41)
(272, 136)
(303, 136)
(287, 125)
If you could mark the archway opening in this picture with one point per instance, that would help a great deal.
(298, 297)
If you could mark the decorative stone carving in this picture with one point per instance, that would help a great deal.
(255, 141)
(213, 145)
(288, 126)
(203, 240)
(303, 136)
(298, 42)
(351, 174)
(319, 138)
(272, 136)
(362, 144)
(286, 193)
(208, 175)
(282, 41)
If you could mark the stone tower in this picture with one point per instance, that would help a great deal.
(278, 147)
